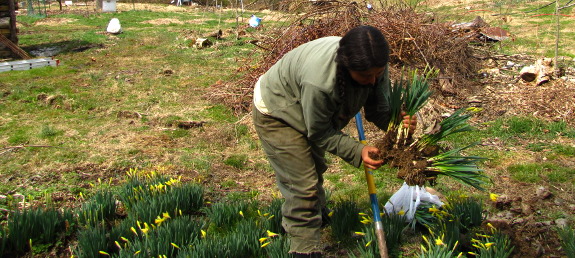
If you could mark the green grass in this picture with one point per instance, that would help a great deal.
(535, 172)
(532, 29)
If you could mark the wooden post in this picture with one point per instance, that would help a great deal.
(557, 35)
(13, 30)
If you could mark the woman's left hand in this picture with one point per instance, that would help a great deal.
(409, 122)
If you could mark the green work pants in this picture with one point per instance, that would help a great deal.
(299, 166)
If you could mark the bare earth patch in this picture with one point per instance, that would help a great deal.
(164, 21)
(54, 21)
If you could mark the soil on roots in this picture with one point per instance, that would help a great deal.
(398, 150)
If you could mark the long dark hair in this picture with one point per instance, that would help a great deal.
(361, 49)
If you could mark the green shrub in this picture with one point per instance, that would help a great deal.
(225, 215)
(393, 227)
(567, 236)
(277, 247)
(92, 241)
(272, 216)
(35, 226)
(179, 199)
(345, 220)
(3, 240)
(468, 210)
(448, 228)
(437, 248)
(237, 160)
(98, 209)
(48, 132)
(496, 244)
(164, 239)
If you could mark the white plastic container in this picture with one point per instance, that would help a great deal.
(108, 5)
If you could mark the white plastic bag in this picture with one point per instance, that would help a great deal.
(114, 26)
(408, 198)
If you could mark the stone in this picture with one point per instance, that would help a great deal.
(561, 223)
(543, 193)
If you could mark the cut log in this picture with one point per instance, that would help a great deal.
(216, 34)
(541, 72)
(202, 43)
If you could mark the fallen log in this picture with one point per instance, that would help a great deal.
(540, 72)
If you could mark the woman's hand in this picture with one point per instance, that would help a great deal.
(409, 122)
(367, 160)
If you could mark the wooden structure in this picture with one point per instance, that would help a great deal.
(8, 30)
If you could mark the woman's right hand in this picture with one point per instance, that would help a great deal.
(367, 160)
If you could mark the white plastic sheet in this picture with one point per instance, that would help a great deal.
(408, 198)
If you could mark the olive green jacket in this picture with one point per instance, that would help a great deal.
(301, 90)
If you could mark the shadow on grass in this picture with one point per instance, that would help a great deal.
(62, 47)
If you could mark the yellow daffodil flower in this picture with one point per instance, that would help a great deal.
(433, 209)
(330, 214)
(159, 220)
(360, 233)
(401, 212)
(493, 197)
(104, 253)
(174, 245)
(118, 244)
(438, 242)
(145, 229)
(166, 215)
(368, 243)
(134, 231)
(489, 245)
(203, 233)
(262, 239)
(241, 213)
(362, 214)
(272, 234)
(137, 252)
(265, 244)
(472, 253)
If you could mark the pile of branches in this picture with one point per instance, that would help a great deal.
(415, 41)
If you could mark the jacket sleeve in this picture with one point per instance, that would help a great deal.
(318, 111)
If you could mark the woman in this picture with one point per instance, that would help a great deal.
(301, 104)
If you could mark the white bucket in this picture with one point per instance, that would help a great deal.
(108, 5)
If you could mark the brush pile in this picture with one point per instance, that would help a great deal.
(416, 41)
